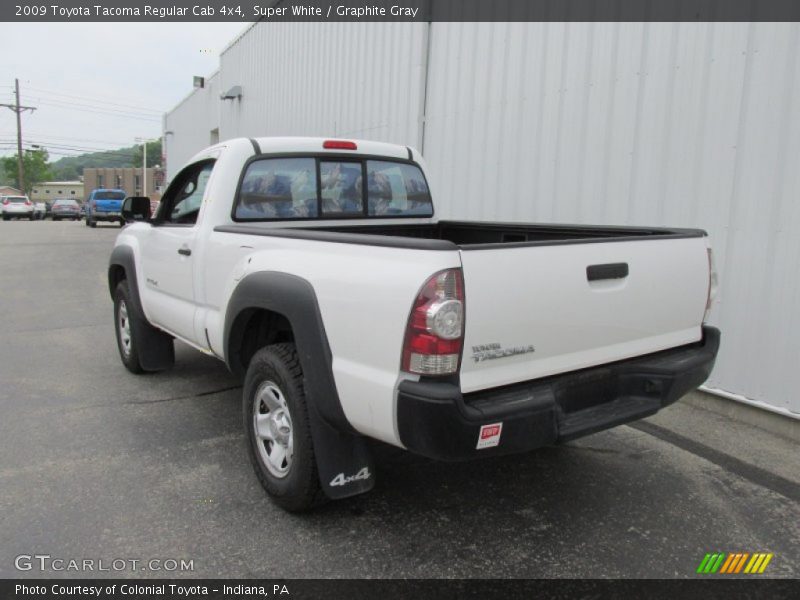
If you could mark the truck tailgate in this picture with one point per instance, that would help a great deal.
(114, 206)
(539, 310)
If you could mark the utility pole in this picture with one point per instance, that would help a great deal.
(143, 141)
(19, 110)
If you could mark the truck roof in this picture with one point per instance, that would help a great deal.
(281, 145)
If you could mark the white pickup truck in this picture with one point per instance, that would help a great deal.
(317, 271)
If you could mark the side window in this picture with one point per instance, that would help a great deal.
(340, 184)
(182, 200)
(397, 189)
(278, 188)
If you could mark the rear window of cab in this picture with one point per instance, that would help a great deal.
(296, 188)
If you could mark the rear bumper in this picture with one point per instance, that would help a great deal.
(106, 216)
(436, 420)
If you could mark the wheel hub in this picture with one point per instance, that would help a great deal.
(272, 425)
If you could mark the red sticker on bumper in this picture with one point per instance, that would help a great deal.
(489, 436)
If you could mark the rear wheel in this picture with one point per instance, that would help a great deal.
(278, 430)
(6, 218)
(92, 223)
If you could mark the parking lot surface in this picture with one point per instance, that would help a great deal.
(96, 463)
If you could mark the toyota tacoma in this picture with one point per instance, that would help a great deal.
(318, 272)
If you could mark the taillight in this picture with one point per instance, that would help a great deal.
(713, 284)
(435, 331)
(5, 201)
(339, 145)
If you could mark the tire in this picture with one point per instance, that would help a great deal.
(30, 218)
(142, 347)
(86, 222)
(92, 223)
(6, 218)
(126, 327)
(56, 218)
(274, 386)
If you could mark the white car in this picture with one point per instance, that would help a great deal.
(317, 271)
(17, 207)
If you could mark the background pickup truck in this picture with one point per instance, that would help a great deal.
(104, 205)
(316, 270)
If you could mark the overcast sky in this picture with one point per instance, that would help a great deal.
(99, 86)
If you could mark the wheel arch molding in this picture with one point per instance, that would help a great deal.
(339, 450)
(293, 298)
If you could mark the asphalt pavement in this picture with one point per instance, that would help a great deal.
(100, 464)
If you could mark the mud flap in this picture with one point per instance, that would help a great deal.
(344, 461)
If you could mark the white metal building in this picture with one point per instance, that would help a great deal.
(677, 124)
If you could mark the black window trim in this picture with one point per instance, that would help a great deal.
(330, 157)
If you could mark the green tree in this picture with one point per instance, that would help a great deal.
(35, 163)
(153, 154)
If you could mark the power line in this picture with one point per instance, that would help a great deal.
(98, 100)
(45, 136)
(63, 145)
(60, 102)
(101, 112)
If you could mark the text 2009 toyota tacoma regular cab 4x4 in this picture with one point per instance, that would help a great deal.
(316, 270)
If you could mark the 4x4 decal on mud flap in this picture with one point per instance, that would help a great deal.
(340, 479)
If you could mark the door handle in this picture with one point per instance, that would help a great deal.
(607, 271)
(185, 251)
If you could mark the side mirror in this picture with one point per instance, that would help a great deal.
(136, 208)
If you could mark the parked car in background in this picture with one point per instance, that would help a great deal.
(66, 208)
(104, 205)
(39, 210)
(17, 207)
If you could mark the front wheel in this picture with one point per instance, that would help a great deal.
(125, 328)
(278, 431)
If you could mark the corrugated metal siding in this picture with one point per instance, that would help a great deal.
(191, 123)
(686, 124)
(326, 79)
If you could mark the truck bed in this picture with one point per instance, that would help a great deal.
(464, 235)
(549, 299)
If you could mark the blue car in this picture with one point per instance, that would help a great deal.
(104, 205)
